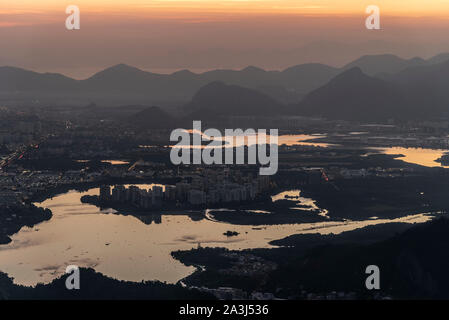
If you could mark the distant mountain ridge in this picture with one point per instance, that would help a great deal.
(123, 84)
(386, 63)
(353, 95)
(371, 88)
(420, 91)
(14, 79)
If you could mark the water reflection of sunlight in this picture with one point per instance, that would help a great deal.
(288, 140)
(302, 202)
(421, 156)
(125, 248)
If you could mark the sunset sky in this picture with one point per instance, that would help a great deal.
(168, 35)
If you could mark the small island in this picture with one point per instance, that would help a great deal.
(231, 233)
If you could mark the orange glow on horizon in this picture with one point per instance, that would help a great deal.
(169, 35)
(437, 8)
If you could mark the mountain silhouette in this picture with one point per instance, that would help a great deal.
(427, 86)
(439, 58)
(16, 79)
(126, 85)
(152, 118)
(390, 64)
(353, 95)
(221, 99)
(121, 77)
(384, 63)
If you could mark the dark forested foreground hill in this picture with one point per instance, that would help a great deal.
(413, 263)
(95, 286)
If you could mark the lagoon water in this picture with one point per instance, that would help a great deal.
(126, 248)
(286, 139)
(421, 156)
(139, 248)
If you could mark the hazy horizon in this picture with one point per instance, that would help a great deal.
(202, 35)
